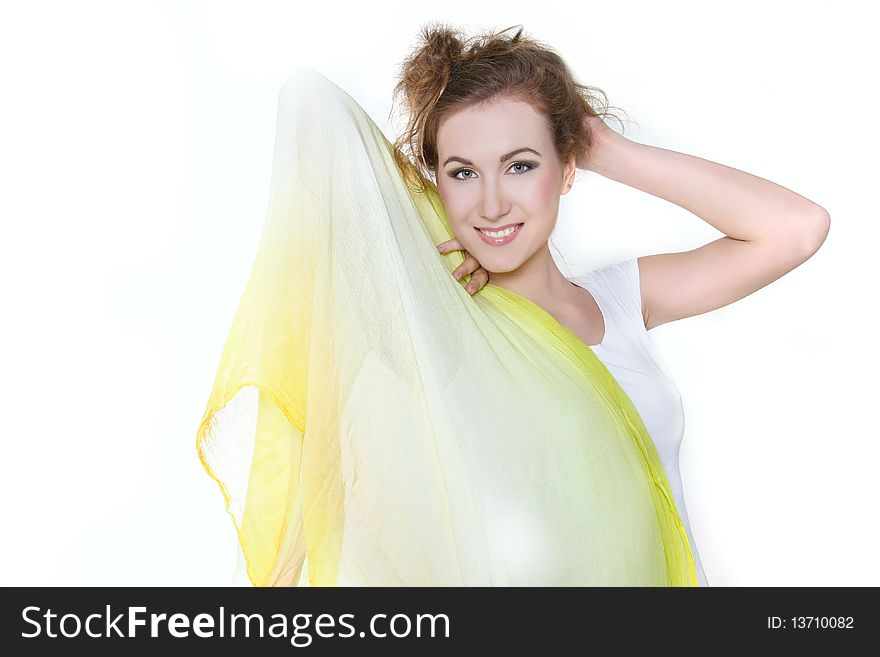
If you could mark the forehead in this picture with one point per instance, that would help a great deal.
(491, 128)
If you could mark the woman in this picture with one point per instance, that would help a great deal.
(391, 431)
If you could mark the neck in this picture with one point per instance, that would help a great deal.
(538, 279)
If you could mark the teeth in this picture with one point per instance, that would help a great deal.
(502, 233)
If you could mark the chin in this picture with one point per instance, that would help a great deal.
(497, 263)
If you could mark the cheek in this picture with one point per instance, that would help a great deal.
(546, 190)
(458, 208)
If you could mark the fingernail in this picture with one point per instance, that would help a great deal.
(457, 275)
(441, 249)
(470, 288)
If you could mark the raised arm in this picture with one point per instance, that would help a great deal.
(769, 230)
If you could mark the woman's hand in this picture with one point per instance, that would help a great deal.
(479, 276)
(600, 135)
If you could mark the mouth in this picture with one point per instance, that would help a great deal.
(499, 236)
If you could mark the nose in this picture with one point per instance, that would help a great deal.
(493, 205)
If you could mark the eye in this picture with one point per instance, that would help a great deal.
(529, 166)
(454, 174)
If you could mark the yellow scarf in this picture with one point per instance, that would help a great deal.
(371, 423)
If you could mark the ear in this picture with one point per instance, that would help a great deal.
(568, 175)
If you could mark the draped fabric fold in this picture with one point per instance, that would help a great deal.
(373, 424)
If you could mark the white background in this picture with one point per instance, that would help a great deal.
(136, 149)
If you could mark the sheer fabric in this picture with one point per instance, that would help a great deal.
(373, 424)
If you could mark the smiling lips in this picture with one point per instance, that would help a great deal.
(499, 236)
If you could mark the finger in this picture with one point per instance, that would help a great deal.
(449, 245)
(478, 281)
(468, 265)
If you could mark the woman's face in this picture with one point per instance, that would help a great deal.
(486, 182)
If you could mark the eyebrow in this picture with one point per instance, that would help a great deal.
(504, 157)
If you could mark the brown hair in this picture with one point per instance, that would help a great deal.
(449, 71)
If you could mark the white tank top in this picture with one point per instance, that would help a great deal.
(630, 356)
